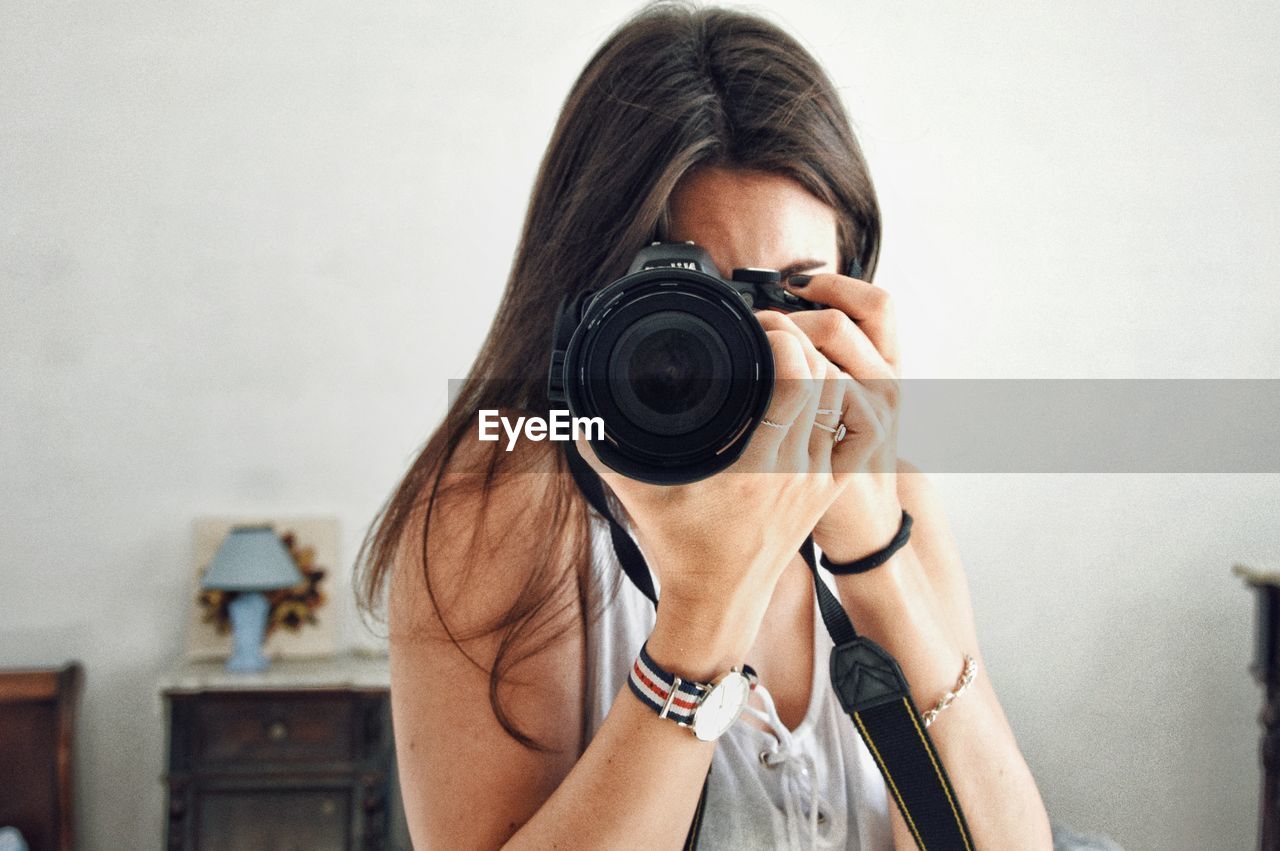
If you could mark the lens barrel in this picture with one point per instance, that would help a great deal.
(677, 367)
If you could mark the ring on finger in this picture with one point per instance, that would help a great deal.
(772, 424)
(838, 432)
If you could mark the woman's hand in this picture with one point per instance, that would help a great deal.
(719, 545)
(856, 335)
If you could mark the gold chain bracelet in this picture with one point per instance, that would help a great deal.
(966, 679)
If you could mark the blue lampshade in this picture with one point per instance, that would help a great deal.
(251, 558)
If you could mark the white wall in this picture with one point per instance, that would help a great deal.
(244, 245)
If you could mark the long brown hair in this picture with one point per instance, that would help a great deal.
(674, 88)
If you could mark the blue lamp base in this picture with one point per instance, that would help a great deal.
(248, 613)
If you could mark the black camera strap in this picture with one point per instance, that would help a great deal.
(868, 682)
(873, 690)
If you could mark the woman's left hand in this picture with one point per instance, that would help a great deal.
(856, 333)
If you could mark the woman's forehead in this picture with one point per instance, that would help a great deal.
(752, 218)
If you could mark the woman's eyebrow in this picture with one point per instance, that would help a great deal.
(801, 266)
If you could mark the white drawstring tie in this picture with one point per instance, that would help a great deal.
(798, 781)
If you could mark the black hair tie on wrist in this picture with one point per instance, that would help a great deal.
(877, 558)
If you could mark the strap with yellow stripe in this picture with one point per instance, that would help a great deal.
(873, 690)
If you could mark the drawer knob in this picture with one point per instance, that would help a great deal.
(277, 731)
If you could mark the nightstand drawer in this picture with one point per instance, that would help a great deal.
(243, 728)
(298, 757)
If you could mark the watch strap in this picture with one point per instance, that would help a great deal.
(667, 694)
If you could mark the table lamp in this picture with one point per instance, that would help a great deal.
(252, 559)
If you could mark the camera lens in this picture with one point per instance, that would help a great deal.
(663, 369)
(678, 369)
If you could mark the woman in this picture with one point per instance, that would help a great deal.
(512, 628)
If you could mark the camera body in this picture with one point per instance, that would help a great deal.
(671, 358)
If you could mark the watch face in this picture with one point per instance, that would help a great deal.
(721, 707)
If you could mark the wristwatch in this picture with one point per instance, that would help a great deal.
(708, 709)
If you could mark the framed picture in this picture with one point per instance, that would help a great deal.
(302, 618)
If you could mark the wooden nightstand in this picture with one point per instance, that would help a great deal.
(297, 757)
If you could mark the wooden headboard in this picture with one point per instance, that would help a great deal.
(37, 709)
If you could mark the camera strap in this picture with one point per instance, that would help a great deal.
(873, 691)
(868, 683)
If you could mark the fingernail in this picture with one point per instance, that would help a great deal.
(799, 281)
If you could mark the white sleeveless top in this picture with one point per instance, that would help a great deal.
(813, 787)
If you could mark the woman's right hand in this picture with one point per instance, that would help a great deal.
(719, 545)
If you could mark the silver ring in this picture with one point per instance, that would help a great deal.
(829, 411)
(838, 433)
(772, 424)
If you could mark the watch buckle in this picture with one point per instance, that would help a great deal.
(671, 696)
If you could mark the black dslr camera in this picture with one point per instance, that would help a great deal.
(672, 360)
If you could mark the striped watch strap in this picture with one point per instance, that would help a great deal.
(667, 694)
